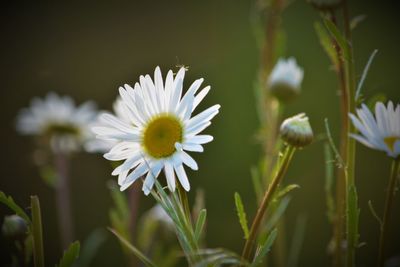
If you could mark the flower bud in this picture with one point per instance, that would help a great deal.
(14, 227)
(285, 80)
(296, 131)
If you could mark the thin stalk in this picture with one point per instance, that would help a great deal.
(63, 200)
(37, 233)
(340, 184)
(266, 202)
(352, 234)
(391, 191)
(133, 198)
(185, 203)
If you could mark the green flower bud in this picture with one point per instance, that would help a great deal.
(14, 227)
(296, 131)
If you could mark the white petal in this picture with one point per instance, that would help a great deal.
(200, 96)
(151, 178)
(182, 177)
(204, 116)
(189, 161)
(199, 139)
(170, 176)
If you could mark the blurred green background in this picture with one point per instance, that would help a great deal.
(87, 50)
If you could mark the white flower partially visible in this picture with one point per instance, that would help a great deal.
(157, 213)
(95, 145)
(285, 79)
(159, 131)
(55, 117)
(381, 132)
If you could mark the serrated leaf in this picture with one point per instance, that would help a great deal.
(146, 261)
(70, 255)
(201, 219)
(340, 39)
(326, 43)
(241, 214)
(9, 202)
(286, 190)
(263, 250)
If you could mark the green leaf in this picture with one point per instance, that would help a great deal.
(326, 43)
(91, 246)
(201, 219)
(329, 176)
(340, 39)
(297, 241)
(219, 257)
(256, 178)
(147, 262)
(37, 233)
(364, 74)
(264, 248)
(70, 255)
(241, 214)
(277, 213)
(286, 190)
(353, 214)
(9, 202)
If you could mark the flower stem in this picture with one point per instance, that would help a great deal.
(266, 201)
(185, 203)
(133, 198)
(351, 211)
(63, 200)
(37, 233)
(391, 191)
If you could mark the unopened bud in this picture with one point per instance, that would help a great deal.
(285, 80)
(296, 131)
(14, 227)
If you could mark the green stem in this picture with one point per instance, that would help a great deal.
(266, 201)
(185, 203)
(351, 218)
(391, 191)
(37, 233)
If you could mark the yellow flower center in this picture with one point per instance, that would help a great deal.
(160, 136)
(390, 141)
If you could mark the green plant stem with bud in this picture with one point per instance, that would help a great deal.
(391, 191)
(266, 201)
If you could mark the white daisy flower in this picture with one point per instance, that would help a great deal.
(95, 145)
(57, 118)
(383, 131)
(159, 131)
(285, 79)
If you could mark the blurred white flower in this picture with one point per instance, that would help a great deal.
(157, 213)
(285, 79)
(382, 132)
(55, 117)
(159, 130)
(95, 145)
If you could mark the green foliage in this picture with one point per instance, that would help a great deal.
(257, 182)
(242, 215)
(380, 97)
(326, 43)
(218, 257)
(9, 202)
(146, 261)
(297, 240)
(201, 219)
(264, 248)
(37, 233)
(70, 255)
(374, 213)
(339, 38)
(364, 75)
(329, 175)
(119, 214)
(353, 214)
(277, 213)
(90, 247)
(286, 190)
